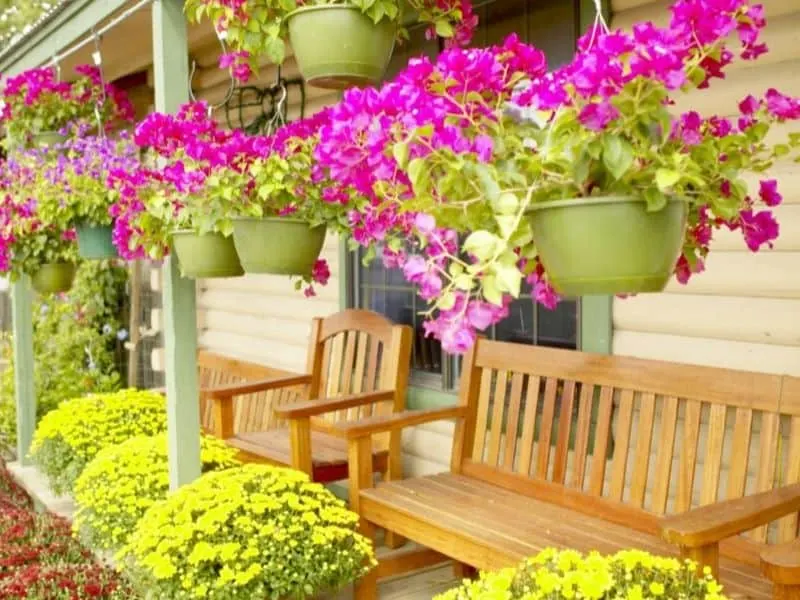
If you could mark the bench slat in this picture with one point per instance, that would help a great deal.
(567, 402)
(666, 450)
(529, 427)
(602, 434)
(712, 463)
(546, 427)
(740, 453)
(582, 432)
(641, 467)
(688, 462)
(619, 466)
(514, 410)
(787, 528)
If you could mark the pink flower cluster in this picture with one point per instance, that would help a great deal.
(454, 101)
(192, 135)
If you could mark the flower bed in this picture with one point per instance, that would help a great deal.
(40, 560)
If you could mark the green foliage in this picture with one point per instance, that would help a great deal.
(122, 482)
(559, 575)
(70, 436)
(77, 343)
(249, 532)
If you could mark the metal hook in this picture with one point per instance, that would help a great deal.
(221, 35)
(56, 66)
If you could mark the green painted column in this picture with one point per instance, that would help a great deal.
(21, 299)
(171, 76)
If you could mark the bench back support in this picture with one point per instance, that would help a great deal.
(656, 437)
(357, 351)
(251, 412)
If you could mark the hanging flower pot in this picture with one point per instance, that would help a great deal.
(206, 256)
(52, 278)
(46, 138)
(607, 245)
(337, 46)
(95, 242)
(278, 245)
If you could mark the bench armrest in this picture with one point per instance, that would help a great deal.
(715, 522)
(228, 392)
(781, 563)
(380, 424)
(312, 408)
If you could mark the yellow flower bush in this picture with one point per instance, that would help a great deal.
(251, 532)
(569, 575)
(70, 436)
(118, 486)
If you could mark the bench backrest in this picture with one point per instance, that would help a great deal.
(649, 437)
(357, 351)
(252, 412)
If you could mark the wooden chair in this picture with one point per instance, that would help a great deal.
(533, 467)
(358, 366)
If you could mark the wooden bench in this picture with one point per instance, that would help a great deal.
(533, 467)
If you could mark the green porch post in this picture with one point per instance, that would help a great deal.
(171, 76)
(21, 298)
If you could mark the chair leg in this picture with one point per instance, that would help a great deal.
(394, 472)
(785, 592)
(464, 571)
(366, 588)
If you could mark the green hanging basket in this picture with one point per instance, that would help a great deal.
(46, 138)
(278, 245)
(206, 256)
(95, 242)
(336, 46)
(53, 278)
(608, 245)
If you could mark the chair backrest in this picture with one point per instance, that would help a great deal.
(252, 412)
(650, 436)
(357, 351)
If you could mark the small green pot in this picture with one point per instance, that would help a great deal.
(607, 245)
(46, 138)
(278, 245)
(52, 278)
(206, 256)
(336, 46)
(95, 242)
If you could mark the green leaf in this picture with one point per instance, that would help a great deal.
(509, 279)
(506, 224)
(655, 199)
(482, 244)
(400, 152)
(618, 155)
(506, 204)
(491, 291)
(444, 29)
(666, 178)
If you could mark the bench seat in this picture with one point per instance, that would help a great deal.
(328, 452)
(464, 517)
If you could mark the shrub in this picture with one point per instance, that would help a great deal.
(123, 481)
(77, 344)
(249, 532)
(559, 575)
(70, 436)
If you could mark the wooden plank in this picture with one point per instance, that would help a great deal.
(688, 458)
(787, 529)
(564, 426)
(24, 390)
(619, 465)
(496, 427)
(712, 462)
(512, 424)
(602, 433)
(583, 429)
(644, 439)
(483, 415)
(666, 450)
(358, 376)
(736, 388)
(546, 427)
(767, 461)
(740, 453)
(529, 425)
(336, 358)
(170, 51)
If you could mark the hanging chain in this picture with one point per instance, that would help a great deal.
(97, 58)
(599, 23)
(277, 121)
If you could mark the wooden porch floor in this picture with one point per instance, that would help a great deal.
(420, 585)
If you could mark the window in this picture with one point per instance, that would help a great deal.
(551, 26)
